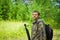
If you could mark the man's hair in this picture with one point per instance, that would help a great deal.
(36, 12)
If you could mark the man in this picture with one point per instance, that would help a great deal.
(38, 29)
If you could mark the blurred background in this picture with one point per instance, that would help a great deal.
(14, 13)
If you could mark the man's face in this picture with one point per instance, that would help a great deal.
(35, 15)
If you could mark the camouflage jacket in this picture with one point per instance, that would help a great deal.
(38, 30)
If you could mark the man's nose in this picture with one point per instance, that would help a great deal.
(34, 15)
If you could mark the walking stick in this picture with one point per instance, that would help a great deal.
(27, 31)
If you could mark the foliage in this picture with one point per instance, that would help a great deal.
(22, 10)
(13, 30)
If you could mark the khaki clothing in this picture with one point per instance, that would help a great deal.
(38, 30)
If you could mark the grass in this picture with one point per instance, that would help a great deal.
(13, 30)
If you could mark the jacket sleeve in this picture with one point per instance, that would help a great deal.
(42, 28)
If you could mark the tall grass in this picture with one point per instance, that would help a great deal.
(13, 30)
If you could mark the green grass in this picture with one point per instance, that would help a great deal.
(56, 34)
(13, 30)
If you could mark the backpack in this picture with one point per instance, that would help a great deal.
(49, 32)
